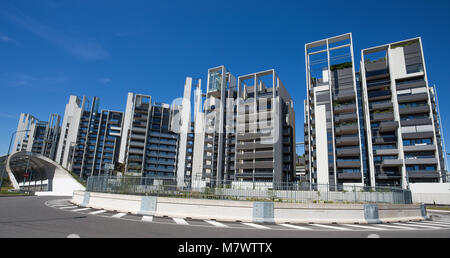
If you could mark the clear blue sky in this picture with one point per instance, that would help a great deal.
(51, 49)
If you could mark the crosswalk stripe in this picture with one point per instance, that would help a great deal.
(82, 209)
(328, 226)
(417, 224)
(394, 226)
(295, 226)
(436, 223)
(68, 207)
(217, 224)
(147, 218)
(97, 212)
(180, 221)
(256, 225)
(59, 205)
(364, 226)
(119, 215)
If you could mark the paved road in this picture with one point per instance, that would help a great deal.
(56, 217)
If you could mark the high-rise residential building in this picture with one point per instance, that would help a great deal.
(218, 126)
(265, 129)
(404, 140)
(42, 137)
(333, 133)
(90, 140)
(376, 127)
(245, 131)
(149, 147)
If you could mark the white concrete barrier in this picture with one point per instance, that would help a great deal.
(248, 211)
(400, 212)
(319, 213)
(224, 210)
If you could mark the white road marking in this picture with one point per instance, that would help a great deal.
(256, 225)
(217, 224)
(119, 215)
(330, 227)
(295, 226)
(395, 226)
(97, 212)
(180, 221)
(417, 224)
(364, 226)
(73, 236)
(82, 209)
(373, 236)
(68, 207)
(147, 218)
(436, 223)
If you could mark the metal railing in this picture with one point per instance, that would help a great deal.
(292, 192)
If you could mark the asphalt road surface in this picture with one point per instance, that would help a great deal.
(56, 217)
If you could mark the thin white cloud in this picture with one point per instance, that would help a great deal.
(81, 48)
(4, 38)
(105, 80)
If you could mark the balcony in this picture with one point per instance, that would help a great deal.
(392, 163)
(388, 126)
(380, 105)
(379, 95)
(414, 110)
(344, 108)
(352, 176)
(422, 174)
(421, 161)
(344, 95)
(420, 121)
(386, 152)
(348, 152)
(347, 140)
(424, 147)
(412, 97)
(345, 117)
(346, 129)
(348, 164)
(376, 117)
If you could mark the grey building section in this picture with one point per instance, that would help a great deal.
(402, 114)
(151, 148)
(42, 136)
(333, 148)
(98, 140)
(265, 129)
(219, 127)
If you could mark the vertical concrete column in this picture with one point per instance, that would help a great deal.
(148, 205)
(87, 196)
(263, 212)
(371, 214)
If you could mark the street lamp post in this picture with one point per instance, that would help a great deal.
(7, 156)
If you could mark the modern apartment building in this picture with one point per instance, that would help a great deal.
(404, 141)
(42, 137)
(265, 129)
(333, 147)
(248, 129)
(149, 147)
(90, 140)
(376, 127)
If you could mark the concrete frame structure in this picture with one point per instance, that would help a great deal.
(265, 129)
(42, 137)
(401, 110)
(332, 115)
(90, 139)
(149, 147)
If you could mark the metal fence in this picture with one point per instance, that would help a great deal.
(292, 192)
